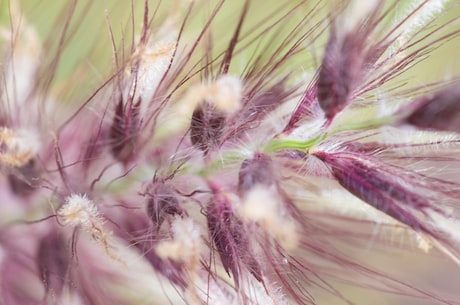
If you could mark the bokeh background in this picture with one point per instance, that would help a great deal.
(87, 61)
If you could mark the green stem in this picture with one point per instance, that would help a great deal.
(226, 159)
(282, 144)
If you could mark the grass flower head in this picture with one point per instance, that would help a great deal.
(208, 152)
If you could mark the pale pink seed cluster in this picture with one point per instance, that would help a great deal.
(210, 168)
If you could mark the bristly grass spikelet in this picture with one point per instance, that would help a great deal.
(229, 152)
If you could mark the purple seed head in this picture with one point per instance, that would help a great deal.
(124, 130)
(206, 127)
(408, 197)
(342, 68)
(439, 111)
(341, 63)
(162, 202)
(329, 172)
(349, 55)
(227, 232)
(257, 171)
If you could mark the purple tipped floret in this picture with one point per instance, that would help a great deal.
(206, 127)
(161, 203)
(124, 131)
(440, 111)
(255, 171)
(230, 238)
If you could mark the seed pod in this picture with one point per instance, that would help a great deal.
(255, 171)
(408, 197)
(124, 131)
(371, 184)
(206, 127)
(349, 54)
(162, 202)
(230, 238)
(441, 111)
(340, 69)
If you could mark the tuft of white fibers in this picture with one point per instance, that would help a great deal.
(152, 62)
(356, 12)
(70, 298)
(429, 10)
(19, 146)
(186, 244)
(423, 242)
(224, 94)
(79, 210)
(186, 247)
(263, 206)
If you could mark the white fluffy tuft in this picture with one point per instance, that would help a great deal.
(19, 146)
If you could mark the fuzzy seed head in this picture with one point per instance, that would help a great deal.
(78, 210)
(441, 111)
(206, 127)
(53, 262)
(341, 64)
(228, 235)
(275, 165)
(257, 171)
(408, 197)
(162, 203)
(124, 131)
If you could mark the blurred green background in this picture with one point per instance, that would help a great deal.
(87, 58)
(87, 61)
